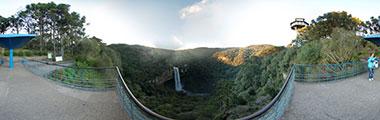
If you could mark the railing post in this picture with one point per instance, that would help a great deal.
(294, 71)
(80, 75)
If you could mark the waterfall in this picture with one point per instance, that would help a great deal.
(177, 79)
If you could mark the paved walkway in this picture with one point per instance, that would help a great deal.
(25, 96)
(354, 98)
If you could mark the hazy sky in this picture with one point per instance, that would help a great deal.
(179, 24)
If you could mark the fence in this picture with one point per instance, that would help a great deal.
(327, 72)
(276, 108)
(137, 111)
(89, 78)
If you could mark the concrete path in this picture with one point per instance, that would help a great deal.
(354, 98)
(25, 96)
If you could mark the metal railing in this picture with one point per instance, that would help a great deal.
(89, 78)
(328, 72)
(135, 109)
(276, 108)
(310, 73)
(273, 110)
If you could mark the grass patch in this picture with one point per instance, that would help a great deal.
(85, 78)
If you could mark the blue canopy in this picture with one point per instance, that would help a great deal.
(374, 38)
(12, 41)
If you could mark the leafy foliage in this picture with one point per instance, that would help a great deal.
(372, 26)
(348, 41)
(237, 56)
(323, 26)
(4, 24)
(310, 53)
(55, 25)
(91, 52)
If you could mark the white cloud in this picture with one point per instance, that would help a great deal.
(177, 41)
(239, 23)
(173, 42)
(207, 23)
(193, 9)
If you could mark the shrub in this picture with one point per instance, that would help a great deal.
(309, 53)
(343, 46)
(28, 53)
(96, 54)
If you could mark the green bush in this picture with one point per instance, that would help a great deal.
(343, 46)
(6, 53)
(309, 53)
(28, 53)
(95, 54)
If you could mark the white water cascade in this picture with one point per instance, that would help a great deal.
(177, 79)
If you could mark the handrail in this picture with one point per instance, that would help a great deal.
(279, 102)
(252, 116)
(135, 100)
(67, 66)
(275, 99)
(84, 78)
(327, 72)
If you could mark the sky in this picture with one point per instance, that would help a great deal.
(184, 24)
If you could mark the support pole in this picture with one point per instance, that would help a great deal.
(11, 58)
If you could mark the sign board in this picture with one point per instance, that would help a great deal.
(50, 56)
(58, 58)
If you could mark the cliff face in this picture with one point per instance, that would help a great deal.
(237, 56)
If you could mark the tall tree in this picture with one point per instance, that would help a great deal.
(372, 26)
(55, 25)
(323, 26)
(16, 24)
(4, 24)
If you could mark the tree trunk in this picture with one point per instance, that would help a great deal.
(62, 48)
(17, 31)
(42, 36)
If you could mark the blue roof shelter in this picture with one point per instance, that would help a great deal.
(13, 41)
(374, 38)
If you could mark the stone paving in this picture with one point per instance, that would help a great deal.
(354, 98)
(25, 96)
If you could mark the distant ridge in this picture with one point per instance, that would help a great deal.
(237, 56)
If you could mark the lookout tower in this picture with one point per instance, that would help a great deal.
(298, 24)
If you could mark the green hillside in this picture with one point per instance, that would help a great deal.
(149, 73)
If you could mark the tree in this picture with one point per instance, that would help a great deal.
(28, 22)
(16, 24)
(323, 26)
(349, 50)
(4, 24)
(91, 52)
(372, 26)
(55, 25)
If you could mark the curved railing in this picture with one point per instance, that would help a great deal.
(274, 110)
(305, 73)
(135, 109)
(89, 78)
(327, 72)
